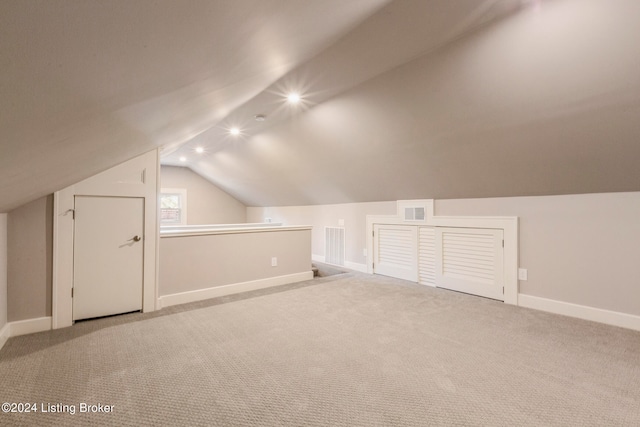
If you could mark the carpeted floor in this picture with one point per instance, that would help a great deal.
(343, 350)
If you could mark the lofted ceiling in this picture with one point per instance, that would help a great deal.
(86, 85)
(400, 99)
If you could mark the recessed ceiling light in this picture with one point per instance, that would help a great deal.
(234, 131)
(293, 98)
(260, 117)
(183, 159)
(199, 150)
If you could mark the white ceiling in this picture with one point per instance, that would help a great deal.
(402, 99)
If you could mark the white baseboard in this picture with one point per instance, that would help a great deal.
(348, 264)
(362, 268)
(218, 291)
(30, 326)
(24, 327)
(608, 317)
(5, 333)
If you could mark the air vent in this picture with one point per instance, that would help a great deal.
(414, 214)
(334, 245)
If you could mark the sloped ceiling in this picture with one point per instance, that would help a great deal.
(86, 85)
(543, 102)
(401, 99)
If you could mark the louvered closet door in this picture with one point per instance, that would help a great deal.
(427, 256)
(471, 261)
(396, 248)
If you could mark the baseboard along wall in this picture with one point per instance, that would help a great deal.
(362, 268)
(584, 312)
(24, 327)
(218, 291)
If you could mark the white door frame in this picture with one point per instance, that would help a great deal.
(135, 178)
(509, 225)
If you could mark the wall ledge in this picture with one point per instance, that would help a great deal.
(584, 312)
(208, 230)
(219, 291)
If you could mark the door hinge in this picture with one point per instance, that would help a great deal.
(373, 265)
(503, 243)
(373, 233)
(71, 292)
(503, 290)
(73, 213)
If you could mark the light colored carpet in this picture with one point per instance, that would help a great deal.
(345, 350)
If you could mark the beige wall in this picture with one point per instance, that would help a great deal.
(321, 216)
(3, 270)
(581, 249)
(199, 262)
(30, 255)
(206, 203)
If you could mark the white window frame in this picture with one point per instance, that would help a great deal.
(182, 192)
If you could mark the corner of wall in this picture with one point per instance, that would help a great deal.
(4, 326)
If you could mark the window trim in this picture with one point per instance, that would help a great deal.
(182, 192)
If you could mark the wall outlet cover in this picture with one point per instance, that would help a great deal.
(522, 274)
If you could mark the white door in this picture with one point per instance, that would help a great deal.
(107, 256)
(470, 260)
(396, 249)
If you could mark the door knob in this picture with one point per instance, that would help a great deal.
(136, 238)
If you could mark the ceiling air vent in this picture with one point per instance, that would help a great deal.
(414, 214)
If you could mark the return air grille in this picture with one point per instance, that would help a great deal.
(334, 245)
(414, 214)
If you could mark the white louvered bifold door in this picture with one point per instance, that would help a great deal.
(396, 248)
(471, 261)
(427, 256)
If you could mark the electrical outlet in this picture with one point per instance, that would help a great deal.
(274, 261)
(522, 274)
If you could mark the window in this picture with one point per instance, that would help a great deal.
(173, 206)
